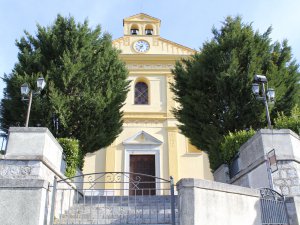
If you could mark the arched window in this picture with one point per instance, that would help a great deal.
(141, 93)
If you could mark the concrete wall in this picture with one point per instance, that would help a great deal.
(222, 174)
(32, 159)
(212, 203)
(34, 143)
(293, 209)
(23, 201)
(252, 162)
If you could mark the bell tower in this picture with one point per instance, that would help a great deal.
(141, 25)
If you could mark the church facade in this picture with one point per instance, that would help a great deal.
(150, 142)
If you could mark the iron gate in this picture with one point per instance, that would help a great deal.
(113, 198)
(273, 208)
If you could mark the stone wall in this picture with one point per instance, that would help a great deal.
(286, 180)
(27, 171)
(213, 203)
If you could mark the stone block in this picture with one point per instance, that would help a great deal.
(283, 174)
(278, 182)
(295, 181)
(276, 175)
(291, 173)
(285, 190)
(289, 182)
(294, 190)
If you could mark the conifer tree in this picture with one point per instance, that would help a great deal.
(213, 87)
(86, 83)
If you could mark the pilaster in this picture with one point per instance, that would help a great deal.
(173, 153)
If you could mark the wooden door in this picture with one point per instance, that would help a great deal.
(144, 164)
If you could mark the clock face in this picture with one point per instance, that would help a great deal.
(141, 46)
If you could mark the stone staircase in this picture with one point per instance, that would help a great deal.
(147, 210)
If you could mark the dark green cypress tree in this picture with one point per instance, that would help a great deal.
(86, 83)
(214, 85)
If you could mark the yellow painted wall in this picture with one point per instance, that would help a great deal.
(177, 157)
(157, 90)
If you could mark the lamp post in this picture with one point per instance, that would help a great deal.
(25, 91)
(266, 97)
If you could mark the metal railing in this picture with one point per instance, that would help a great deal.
(114, 198)
(273, 208)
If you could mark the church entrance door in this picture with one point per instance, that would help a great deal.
(142, 164)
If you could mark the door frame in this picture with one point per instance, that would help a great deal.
(145, 150)
(151, 172)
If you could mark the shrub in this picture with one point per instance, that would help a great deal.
(232, 142)
(74, 156)
(215, 157)
(289, 122)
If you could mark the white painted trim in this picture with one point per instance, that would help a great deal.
(148, 139)
(141, 150)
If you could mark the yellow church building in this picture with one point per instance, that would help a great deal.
(150, 142)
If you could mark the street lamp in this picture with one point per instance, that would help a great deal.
(25, 91)
(261, 80)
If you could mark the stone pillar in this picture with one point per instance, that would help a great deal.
(293, 209)
(32, 159)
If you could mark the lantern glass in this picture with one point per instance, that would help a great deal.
(255, 88)
(40, 83)
(25, 89)
(271, 94)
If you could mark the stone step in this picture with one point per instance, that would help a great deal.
(115, 221)
(117, 214)
(112, 222)
(152, 210)
(125, 199)
(132, 220)
(130, 205)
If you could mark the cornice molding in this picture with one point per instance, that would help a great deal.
(147, 66)
(145, 115)
(152, 57)
(173, 129)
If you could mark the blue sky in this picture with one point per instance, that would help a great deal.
(186, 22)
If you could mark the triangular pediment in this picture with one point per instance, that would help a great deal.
(158, 46)
(142, 17)
(173, 47)
(142, 138)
